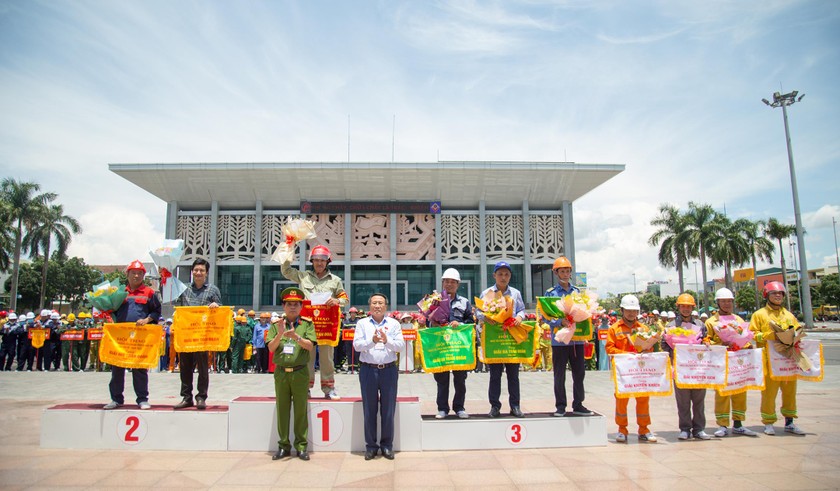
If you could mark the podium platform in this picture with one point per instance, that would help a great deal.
(250, 424)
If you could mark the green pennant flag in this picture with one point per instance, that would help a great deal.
(499, 346)
(549, 309)
(447, 348)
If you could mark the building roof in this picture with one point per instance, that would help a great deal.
(283, 185)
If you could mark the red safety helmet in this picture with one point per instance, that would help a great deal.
(3, 313)
(320, 252)
(353, 310)
(773, 286)
(136, 264)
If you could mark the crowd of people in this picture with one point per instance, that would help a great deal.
(287, 341)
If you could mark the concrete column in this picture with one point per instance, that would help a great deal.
(438, 249)
(392, 235)
(569, 235)
(214, 241)
(482, 239)
(528, 289)
(258, 220)
(171, 231)
(348, 255)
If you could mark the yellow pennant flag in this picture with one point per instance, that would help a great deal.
(127, 345)
(202, 329)
(38, 336)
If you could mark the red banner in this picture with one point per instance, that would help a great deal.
(409, 334)
(348, 334)
(326, 319)
(73, 335)
(94, 334)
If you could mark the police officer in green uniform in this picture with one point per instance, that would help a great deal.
(238, 342)
(291, 339)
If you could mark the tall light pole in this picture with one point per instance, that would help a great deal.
(836, 254)
(785, 100)
(634, 282)
(697, 286)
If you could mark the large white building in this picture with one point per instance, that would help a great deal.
(391, 227)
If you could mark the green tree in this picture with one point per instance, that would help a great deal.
(702, 228)
(51, 224)
(29, 280)
(745, 299)
(670, 238)
(779, 231)
(760, 246)
(730, 246)
(24, 205)
(829, 290)
(76, 279)
(7, 237)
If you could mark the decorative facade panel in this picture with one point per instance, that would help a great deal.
(235, 237)
(195, 231)
(546, 236)
(460, 237)
(330, 231)
(272, 233)
(371, 237)
(416, 237)
(504, 237)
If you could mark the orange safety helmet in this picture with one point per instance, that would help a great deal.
(686, 299)
(773, 286)
(320, 252)
(561, 262)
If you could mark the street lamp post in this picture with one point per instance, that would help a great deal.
(784, 100)
(634, 282)
(697, 287)
(836, 253)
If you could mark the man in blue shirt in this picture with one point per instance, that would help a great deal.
(258, 342)
(566, 354)
(502, 274)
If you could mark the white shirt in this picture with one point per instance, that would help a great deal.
(378, 353)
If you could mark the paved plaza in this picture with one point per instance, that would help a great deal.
(782, 462)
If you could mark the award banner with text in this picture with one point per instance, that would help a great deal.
(697, 366)
(327, 321)
(808, 365)
(640, 375)
(127, 345)
(447, 348)
(500, 344)
(745, 371)
(201, 329)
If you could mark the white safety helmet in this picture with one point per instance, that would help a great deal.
(630, 302)
(30, 315)
(45, 313)
(655, 312)
(12, 316)
(451, 274)
(664, 314)
(724, 294)
(704, 315)
(54, 316)
(694, 313)
(672, 315)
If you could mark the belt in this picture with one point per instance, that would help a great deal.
(381, 365)
(292, 369)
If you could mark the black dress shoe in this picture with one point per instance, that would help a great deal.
(200, 404)
(515, 411)
(494, 412)
(282, 454)
(388, 453)
(303, 455)
(183, 404)
(370, 454)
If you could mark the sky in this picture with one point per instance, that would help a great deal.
(671, 89)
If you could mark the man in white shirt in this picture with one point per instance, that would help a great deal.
(378, 338)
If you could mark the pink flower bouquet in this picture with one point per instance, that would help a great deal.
(681, 335)
(733, 333)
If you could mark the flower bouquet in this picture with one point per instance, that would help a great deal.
(734, 334)
(681, 335)
(788, 345)
(645, 337)
(577, 309)
(435, 307)
(107, 296)
(294, 231)
(166, 259)
(498, 309)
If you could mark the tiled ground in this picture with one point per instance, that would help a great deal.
(783, 462)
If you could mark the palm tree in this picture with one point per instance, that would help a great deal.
(672, 253)
(7, 241)
(760, 246)
(779, 231)
(729, 247)
(53, 223)
(24, 205)
(701, 230)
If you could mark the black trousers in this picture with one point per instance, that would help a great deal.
(140, 379)
(189, 362)
(494, 391)
(568, 355)
(379, 395)
(460, 382)
(261, 365)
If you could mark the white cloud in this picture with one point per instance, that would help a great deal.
(822, 218)
(115, 235)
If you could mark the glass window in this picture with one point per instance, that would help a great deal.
(542, 279)
(236, 284)
(419, 281)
